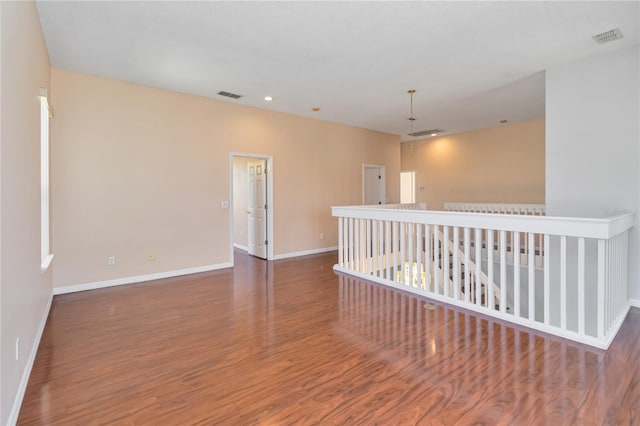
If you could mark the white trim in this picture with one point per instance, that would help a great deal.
(46, 263)
(139, 278)
(615, 327)
(305, 252)
(634, 303)
(45, 188)
(414, 175)
(17, 402)
(603, 228)
(270, 190)
(240, 247)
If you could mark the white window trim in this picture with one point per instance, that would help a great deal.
(413, 186)
(46, 112)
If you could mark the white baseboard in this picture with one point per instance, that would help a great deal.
(17, 402)
(139, 278)
(304, 253)
(240, 247)
(634, 303)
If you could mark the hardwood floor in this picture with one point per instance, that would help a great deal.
(290, 342)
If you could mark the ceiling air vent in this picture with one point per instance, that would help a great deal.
(608, 36)
(229, 95)
(426, 132)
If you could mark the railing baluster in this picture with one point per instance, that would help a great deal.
(608, 288)
(515, 247)
(410, 234)
(395, 239)
(491, 303)
(503, 271)
(356, 243)
(427, 257)
(403, 270)
(363, 243)
(340, 242)
(380, 249)
(456, 263)
(387, 250)
(547, 298)
(436, 257)
(563, 282)
(467, 261)
(614, 281)
(419, 254)
(367, 246)
(532, 277)
(351, 264)
(374, 247)
(446, 276)
(478, 261)
(600, 290)
(581, 285)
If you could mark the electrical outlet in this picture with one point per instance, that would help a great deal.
(18, 349)
(151, 257)
(111, 261)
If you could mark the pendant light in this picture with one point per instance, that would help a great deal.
(411, 117)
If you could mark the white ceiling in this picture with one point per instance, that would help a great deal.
(472, 63)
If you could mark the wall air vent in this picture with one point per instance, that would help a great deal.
(608, 36)
(426, 132)
(229, 95)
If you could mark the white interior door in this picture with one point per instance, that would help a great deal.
(373, 191)
(257, 209)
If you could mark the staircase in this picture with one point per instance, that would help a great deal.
(478, 288)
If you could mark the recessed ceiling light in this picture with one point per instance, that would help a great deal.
(503, 121)
(316, 109)
(434, 134)
(268, 98)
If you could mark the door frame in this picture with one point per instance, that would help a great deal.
(415, 190)
(383, 179)
(270, 210)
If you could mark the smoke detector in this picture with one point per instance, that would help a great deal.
(608, 36)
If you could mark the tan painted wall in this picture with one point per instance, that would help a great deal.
(497, 165)
(240, 200)
(137, 169)
(25, 291)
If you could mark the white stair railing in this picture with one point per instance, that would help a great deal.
(500, 208)
(401, 206)
(580, 292)
(496, 208)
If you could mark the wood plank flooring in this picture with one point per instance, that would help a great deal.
(292, 343)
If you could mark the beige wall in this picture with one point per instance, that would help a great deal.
(497, 165)
(240, 200)
(24, 289)
(137, 169)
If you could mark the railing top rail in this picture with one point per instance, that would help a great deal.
(458, 204)
(407, 206)
(602, 228)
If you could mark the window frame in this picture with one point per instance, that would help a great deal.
(46, 113)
